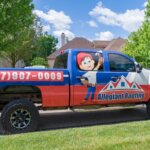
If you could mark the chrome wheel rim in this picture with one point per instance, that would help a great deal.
(20, 118)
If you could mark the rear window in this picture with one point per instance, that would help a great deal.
(61, 61)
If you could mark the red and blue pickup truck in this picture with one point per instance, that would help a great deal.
(80, 78)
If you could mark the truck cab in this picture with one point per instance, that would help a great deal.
(117, 80)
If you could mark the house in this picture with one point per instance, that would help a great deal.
(6, 63)
(79, 42)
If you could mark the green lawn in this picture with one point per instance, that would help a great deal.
(132, 136)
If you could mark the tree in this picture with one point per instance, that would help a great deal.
(38, 26)
(16, 29)
(46, 44)
(138, 43)
(21, 34)
(23, 50)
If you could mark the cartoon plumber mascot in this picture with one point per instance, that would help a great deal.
(86, 62)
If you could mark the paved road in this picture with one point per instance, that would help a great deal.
(62, 119)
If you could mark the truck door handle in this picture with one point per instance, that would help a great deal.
(115, 77)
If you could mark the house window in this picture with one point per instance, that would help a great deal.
(122, 84)
(134, 86)
(111, 87)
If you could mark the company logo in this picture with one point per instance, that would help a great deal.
(122, 89)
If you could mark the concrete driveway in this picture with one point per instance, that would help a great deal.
(50, 120)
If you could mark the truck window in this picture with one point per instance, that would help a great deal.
(120, 63)
(89, 61)
(61, 61)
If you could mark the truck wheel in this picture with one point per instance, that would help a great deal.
(148, 108)
(19, 116)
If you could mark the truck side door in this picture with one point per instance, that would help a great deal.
(123, 88)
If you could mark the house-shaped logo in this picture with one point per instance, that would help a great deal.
(122, 89)
(121, 84)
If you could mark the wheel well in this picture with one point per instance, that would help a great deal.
(9, 93)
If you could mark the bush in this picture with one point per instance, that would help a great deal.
(39, 61)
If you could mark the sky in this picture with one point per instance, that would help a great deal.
(91, 19)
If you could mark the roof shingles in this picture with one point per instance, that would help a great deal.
(79, 42)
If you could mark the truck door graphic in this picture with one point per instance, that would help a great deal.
(109, 82)
(89, 63)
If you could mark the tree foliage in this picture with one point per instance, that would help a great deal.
(39, 61)
(16, 29)
(21, 35)
(15, 19)
(138, 43)
(46, 44)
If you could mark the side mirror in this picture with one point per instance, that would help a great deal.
(139, 68)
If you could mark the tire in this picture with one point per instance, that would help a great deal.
(19, 116)
(148, 108)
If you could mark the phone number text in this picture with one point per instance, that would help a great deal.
(31, 76)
